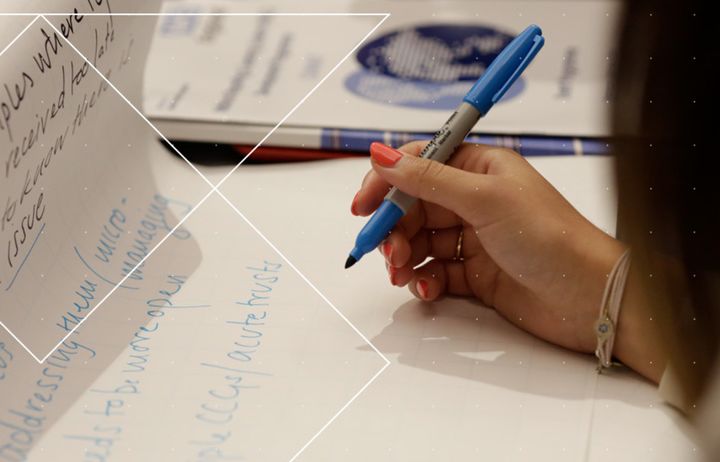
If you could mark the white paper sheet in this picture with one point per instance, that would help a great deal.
(234, 359)
(78, 201)
(207, 351)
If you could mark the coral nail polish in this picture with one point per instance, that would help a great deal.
(393, 274)
(353, 206)
(422, 288)
(384, 155)
(387, 249)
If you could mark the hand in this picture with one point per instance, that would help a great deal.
(526, 251)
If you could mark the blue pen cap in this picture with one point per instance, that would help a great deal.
(505, 69)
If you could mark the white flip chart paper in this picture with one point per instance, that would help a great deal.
(212, 348)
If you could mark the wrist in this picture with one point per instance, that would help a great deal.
(596, 253)
(636, 341)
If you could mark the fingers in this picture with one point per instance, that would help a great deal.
(474, 158)
(396, 249)
(443, 243)
(401, 249)
(429, 281)
(437, 278)
(449, 187)
(370, 195)
(441, 275)
(374, 187)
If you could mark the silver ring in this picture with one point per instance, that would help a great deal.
(458, 247)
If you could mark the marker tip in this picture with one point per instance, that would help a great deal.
(350, 261)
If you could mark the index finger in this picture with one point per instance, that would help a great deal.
(374, 188)
(478, 158)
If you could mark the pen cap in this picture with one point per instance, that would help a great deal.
(505, 69)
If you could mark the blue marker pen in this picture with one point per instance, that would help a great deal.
(492, 85)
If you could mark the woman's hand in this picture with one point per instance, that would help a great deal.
(525, 250)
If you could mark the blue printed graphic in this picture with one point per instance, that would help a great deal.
(427, 67)
(180, 21)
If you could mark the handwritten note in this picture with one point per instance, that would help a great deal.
(206, 351)
(77, 199)
(223, 353)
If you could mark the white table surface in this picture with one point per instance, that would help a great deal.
(462, 384)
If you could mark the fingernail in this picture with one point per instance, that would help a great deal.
(422, 288)
(353, 206)
(387, 250)
(393, 273)
(384, 155)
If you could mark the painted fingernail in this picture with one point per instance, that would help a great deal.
(353, 206)
(422, 288)
(384, 155)
(393, 274)
(387, 250)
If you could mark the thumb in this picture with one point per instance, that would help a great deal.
(452, 188)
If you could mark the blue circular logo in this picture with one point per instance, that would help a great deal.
(428, 67)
